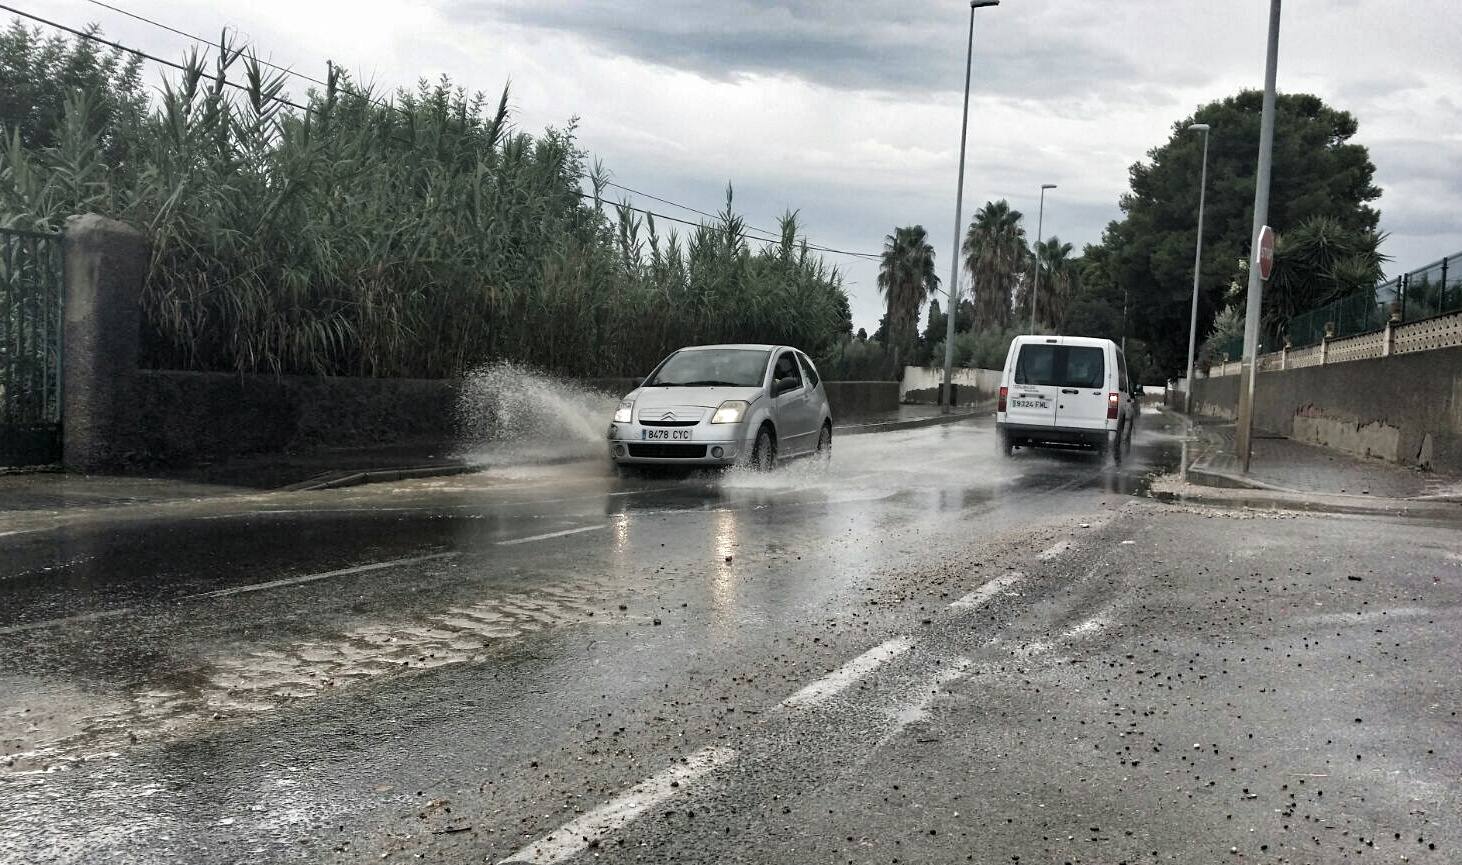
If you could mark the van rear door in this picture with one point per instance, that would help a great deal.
(1081, 401)
(1032, 397)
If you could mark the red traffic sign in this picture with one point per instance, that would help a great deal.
(1265, 252)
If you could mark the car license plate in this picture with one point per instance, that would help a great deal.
(1028, 403)
(665, 435)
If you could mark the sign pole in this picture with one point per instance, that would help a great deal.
(1245, 425)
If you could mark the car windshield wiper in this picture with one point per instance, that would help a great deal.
(710, 383)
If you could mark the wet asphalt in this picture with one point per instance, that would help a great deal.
(992, 661)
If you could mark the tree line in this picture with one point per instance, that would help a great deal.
(417, 234)
(1137, 281)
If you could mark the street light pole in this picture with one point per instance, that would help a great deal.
(946, 397)
(1040, 227)
(1197, 266)
(1248, 371)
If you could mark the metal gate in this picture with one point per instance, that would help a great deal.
(30, 348)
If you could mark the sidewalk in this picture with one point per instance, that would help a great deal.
(1287, 473)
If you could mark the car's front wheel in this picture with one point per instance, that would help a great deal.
(825, 443)
(764, 453)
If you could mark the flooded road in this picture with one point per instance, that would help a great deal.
(542, 663)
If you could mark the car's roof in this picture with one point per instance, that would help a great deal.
(1065, 340)
(740, 345)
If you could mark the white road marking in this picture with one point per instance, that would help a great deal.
(577, 835)
(543, 537)
(987, 591)
(1053, 551)
(918, 710)
(839, 679)
(310, 578)
(1090, 626)
(223, 593)
(48, 623)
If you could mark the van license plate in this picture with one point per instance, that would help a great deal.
(1029, 403)
(671, 435)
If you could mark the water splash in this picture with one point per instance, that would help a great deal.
(508, 413)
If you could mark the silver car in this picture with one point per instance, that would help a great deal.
(719, 405)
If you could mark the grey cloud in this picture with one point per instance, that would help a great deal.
(865, 46)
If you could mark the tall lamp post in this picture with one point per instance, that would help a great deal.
(1197, 266)
(1040, 227)
(946, 396)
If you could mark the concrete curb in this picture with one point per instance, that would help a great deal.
(348, 478)
(1171, 488)
(916, 423)
(1209, 477)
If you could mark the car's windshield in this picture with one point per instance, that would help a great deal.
(729, 367)
(1060, 366)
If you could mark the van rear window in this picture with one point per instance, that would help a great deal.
(1061, 366)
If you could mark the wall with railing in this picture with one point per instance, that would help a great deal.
(1402, 408)
(1421, 306)
(1426, 292)
(1442, 331)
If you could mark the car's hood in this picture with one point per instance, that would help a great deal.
(703, 397)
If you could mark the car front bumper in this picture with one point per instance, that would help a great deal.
(707, 444)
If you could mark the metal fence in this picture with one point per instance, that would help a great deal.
(1429, 291)
(30, 347)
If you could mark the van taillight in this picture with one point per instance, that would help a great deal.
(1113, 402)
(1004, 392)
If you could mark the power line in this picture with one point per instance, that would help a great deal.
(201, 40)
(81, 34)
(743, 234)
(771, 235)
(143, 54)
(224, 81)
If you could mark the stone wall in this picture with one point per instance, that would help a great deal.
(1405, 408)
(187, 418)
(183, 418)
(850, 400)
(920, 385)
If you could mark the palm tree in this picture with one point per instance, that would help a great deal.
(1059, 279)
(995, 255)
(905, 278)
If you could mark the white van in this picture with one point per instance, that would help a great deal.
(1065, 390)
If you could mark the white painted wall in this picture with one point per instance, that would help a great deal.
(986, 382)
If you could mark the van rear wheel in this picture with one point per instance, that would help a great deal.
(1005, 444)
(1114, 448)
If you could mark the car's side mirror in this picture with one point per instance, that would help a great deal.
(783, 385)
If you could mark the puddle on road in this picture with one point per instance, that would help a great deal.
(43, 729)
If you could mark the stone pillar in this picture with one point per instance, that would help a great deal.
(105, 265)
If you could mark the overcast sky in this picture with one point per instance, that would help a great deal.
(849, 110)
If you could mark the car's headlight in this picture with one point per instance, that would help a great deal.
(624, 413)
(731, 411)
